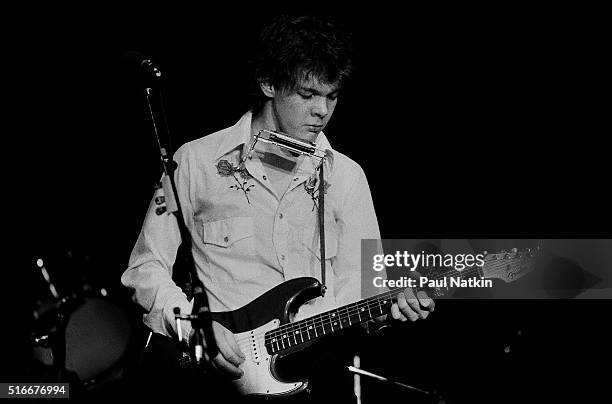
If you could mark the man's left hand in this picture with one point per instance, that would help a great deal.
(411, 307)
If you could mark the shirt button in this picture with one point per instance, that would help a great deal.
(283, 257)
(226, 239)
(281, 215)
(265, 178)
(295, 179)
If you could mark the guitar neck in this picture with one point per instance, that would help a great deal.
(292, 334)
(506, 266)
(300, 332)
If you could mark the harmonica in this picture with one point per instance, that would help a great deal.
(287, 142)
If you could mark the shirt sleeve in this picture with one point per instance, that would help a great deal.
(357, 222)
(149, 271)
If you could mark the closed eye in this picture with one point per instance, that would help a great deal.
(305, 96)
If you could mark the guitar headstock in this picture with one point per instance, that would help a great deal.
(509, 265)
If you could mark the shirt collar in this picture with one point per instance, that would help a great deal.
(236, 136)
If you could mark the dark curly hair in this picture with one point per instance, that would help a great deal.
(292, 48)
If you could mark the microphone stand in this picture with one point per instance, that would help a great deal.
(432, 395)
(202, 319)
(55, 338)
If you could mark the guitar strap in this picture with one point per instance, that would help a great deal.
(321, 217)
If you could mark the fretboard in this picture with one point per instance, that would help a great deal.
(300, 332)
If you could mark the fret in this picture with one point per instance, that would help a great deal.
(319, 326)
(379, 307)
(301, 333)
(275, 339)
(334, 321)
(327, 325)
(310, 326)
(314, 325)
(282, 337)
(323, 320)
(386, 303)
(293, 334)
(360, 311)
(339, 318)
(355, 318)
(345, 319)
(369, 312)
(348, 315)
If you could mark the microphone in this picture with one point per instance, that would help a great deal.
(144, 63)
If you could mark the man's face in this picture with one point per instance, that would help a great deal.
(303, 112)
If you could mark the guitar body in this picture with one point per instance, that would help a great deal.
(249, 325)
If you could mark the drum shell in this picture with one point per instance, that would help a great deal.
(97, 337)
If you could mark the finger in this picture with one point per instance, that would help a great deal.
(405, 307)
(226, 350)
(234, 345)
(396, 314)
(226, 338)
(414, 304)
(426, 302)
(224, 367)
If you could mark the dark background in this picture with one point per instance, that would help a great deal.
(469, 122)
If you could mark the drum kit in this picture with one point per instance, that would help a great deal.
(84, 332)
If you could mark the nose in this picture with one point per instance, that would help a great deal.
(320, 108)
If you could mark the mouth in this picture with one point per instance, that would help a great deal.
(314, 128)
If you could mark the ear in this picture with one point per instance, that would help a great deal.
(267, 89)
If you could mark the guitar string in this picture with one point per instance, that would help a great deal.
(283, 344)
(323, 317)
(247, 340)
(327, 319)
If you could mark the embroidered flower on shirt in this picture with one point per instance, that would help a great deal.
(312, 188)
(225, 169)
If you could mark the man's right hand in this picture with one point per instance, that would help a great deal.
(230, 355)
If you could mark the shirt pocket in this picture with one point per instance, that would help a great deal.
(310, 240)
(231, 237)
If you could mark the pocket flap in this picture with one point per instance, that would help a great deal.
(225, 232)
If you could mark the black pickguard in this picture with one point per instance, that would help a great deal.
(278, 303)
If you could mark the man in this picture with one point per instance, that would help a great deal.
(253, 216)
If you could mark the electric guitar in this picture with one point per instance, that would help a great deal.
(264, 332)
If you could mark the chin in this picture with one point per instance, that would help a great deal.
(309, 136)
